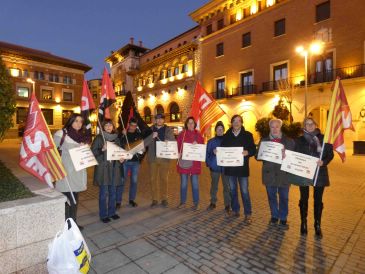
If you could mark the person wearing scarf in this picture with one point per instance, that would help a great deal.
(107, 174)
(311, 143)
(275, 180)
(72, 135)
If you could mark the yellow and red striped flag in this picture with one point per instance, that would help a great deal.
(38, 153)
(339, 119)
(204, 109)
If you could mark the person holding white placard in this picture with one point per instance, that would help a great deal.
(311, 143)
(237, 136)
(276, 180)
(71, 136)
(159, 167)
(107, 174)
(186, 168)
(216, 171)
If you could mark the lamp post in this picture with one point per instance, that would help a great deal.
(30, 80)
(313, 49)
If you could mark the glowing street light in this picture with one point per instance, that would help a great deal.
(314, 48)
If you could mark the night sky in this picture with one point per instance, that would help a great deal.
(87, 30)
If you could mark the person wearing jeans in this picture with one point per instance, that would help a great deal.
(187, 168)
(237, 136)
(130, 136)
(216, 171)
(276, 180)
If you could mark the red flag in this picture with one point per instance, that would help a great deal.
(107, 96)
(87, 105)
(339, 119)
(38, 153)
(130, 116)
(204, 109)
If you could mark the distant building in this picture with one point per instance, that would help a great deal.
(58, 84)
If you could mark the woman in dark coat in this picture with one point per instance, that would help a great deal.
(276, 180)
(311, 143)
(237, 136)
(107, 174)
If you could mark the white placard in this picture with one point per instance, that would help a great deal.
(138, 148)
(82, 157)
(167, 150)
(299, 164)
(195, 152)
(230, 156)
(115, 152)
(271, 152)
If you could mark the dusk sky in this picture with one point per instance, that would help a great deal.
(87, 30)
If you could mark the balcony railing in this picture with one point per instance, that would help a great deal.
(331, 75)
(244, 90)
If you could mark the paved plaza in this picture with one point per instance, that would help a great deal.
(174, 240)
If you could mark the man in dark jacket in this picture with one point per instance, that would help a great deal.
(217, 171)
(159, 167)
(237, 136)
(277, 181)
(130, 137)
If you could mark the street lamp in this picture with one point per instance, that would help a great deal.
(314, 48)
(29, 80)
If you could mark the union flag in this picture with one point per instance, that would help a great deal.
(204, 109)
(38, 153)
(107, 96)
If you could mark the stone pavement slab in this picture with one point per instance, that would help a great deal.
(157, 262)
(109, 260)
(137, 249)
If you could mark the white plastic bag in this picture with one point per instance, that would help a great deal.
(68, 253)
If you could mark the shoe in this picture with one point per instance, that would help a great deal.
(283, 224)
(133, 203)
(227, 210)
(248, 219)
(182, 205)
(105, 220)
(211, 206)
(317, 227)
(303, 205)
(196, 207)
(236, 214)
(303, 227)
(115, 217)
(165, 203)
(273, 221)
(154, 203)
(118, 205)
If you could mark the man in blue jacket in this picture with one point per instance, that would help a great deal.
(217, 171)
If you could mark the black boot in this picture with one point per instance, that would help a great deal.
(303, 205)
(317, 220)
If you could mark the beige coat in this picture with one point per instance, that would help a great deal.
(77, 179)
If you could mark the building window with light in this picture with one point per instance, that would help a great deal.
(46, 94)
(220, 24)
(246, 40)
(184, 68)
(169, 74)
(66, 114)
(67, 80)
(247, 82)
(280, 72)
(48, 115)
(147, 115)
(323, 11)
(21, 115)
(220, 87)
(324, 68)
(176, 70)
(174, 112)
(22, 92)
(279, 27)
(162, 74)
(209, 29)
(39, 75)
(219, 49)
(67, 95)
(25, 73)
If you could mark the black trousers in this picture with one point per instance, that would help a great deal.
(71, 210)
(318, 205)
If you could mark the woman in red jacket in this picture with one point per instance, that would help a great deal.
(187, 168)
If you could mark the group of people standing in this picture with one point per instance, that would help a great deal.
(110, 175)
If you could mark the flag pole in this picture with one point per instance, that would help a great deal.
(126, 136)
(72, 194)
(101, 129)
(318, 167)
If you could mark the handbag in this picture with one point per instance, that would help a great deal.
(61, 142)
(184, 164)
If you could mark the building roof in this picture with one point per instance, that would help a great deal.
(41, 56)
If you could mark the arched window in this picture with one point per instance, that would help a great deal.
(159, 109)
(147, 115)
(174, 112)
